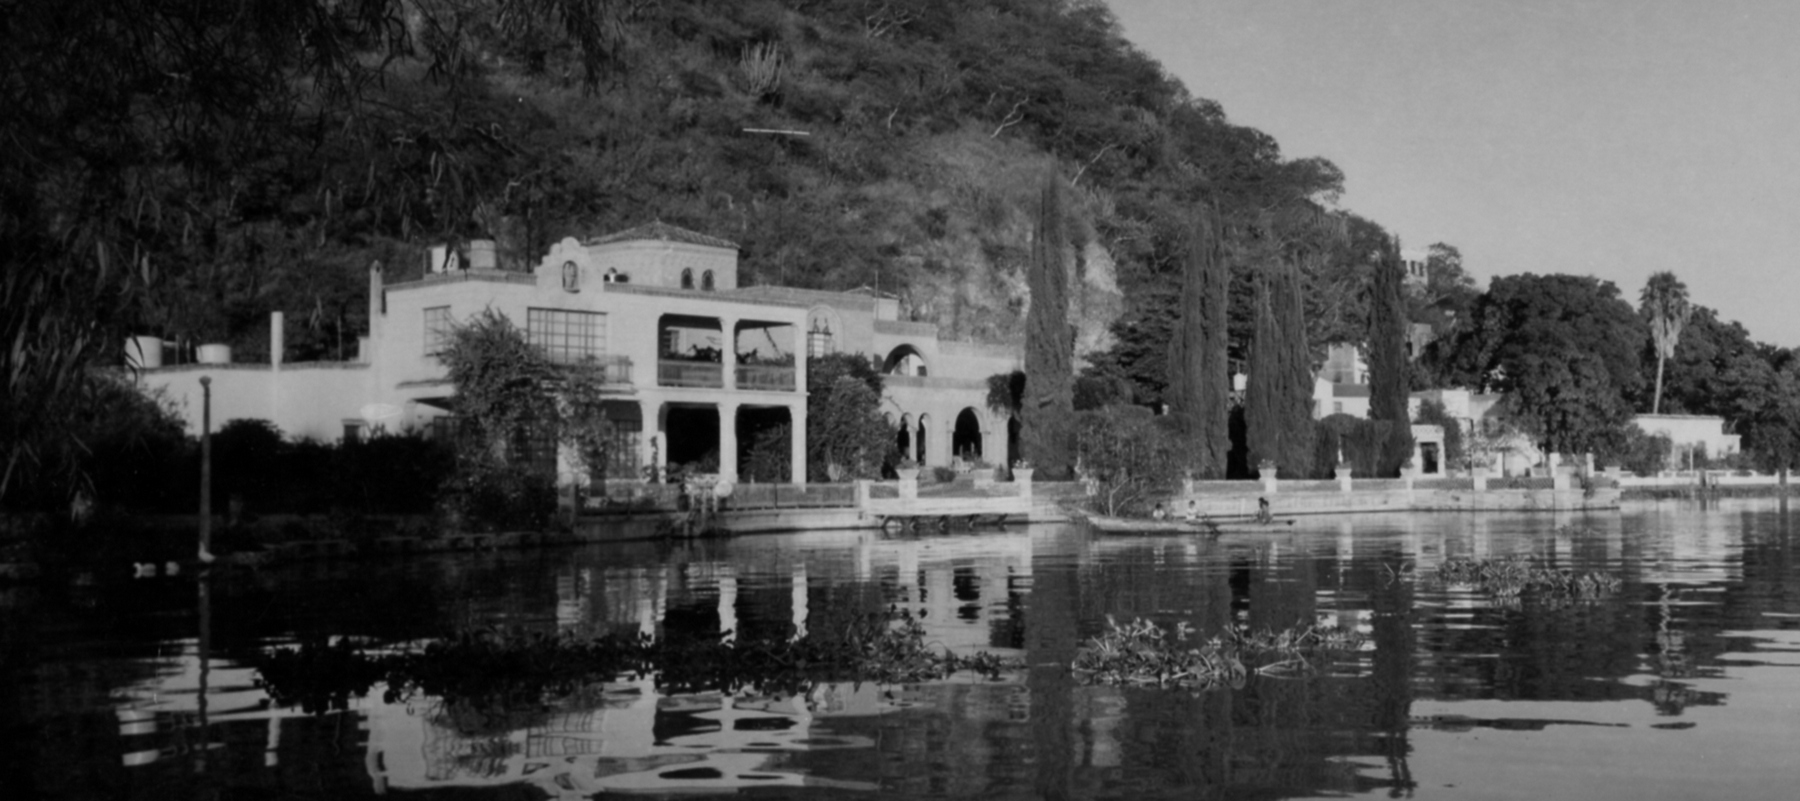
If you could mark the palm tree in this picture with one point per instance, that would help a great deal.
(1664, 303)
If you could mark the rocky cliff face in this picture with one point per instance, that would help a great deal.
(963, 266)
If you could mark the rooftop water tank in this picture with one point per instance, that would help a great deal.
(482, 255)
(143, 353)
(213, 354)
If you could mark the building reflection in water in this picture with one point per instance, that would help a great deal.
(1037, 596)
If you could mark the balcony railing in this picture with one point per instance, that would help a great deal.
(690, 374)
(611, 369)
(765, 377)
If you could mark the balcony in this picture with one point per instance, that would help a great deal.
(767, 377)
(611, 370)
(702, 375)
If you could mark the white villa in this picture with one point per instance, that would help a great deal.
(691, 359)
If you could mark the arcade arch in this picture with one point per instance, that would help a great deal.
(966, 435)
(904, 360)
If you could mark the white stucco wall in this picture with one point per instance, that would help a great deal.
(304, 401)
(1686, 431)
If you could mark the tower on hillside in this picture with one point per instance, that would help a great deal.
(1417, 268)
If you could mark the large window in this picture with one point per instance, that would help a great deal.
(437, 329)
(567, 337)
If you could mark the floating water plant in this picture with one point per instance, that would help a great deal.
(1141, 653)
(1512, 577)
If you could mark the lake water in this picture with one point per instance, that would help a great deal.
(1685, 683)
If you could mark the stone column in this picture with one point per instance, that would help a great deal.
(1478, 472)
(1266, 471)
(797, 440)
(728, 355)
(728, 444)
(1559, 473)
(1343, 476)
(649, 449)
(277, 340)
(800, 360)
(662, 454)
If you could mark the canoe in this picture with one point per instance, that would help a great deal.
(1138, 525)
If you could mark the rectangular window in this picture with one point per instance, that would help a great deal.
(437, 329)
(567, 337)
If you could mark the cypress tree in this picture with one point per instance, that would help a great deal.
(1278, 399)
(1048, 416)
(1390, 372)
(1199, 383)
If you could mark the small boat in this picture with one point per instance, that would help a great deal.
(1139, 525)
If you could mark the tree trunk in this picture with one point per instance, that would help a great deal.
(1656, 404)
(1048, 413)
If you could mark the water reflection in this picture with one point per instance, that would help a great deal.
(1676, 685)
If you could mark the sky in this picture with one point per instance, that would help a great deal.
(1613, 138)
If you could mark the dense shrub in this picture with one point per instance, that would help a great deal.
(1645, 454)
(1127, 456)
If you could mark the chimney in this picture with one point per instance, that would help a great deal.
(377, 299)
(277, 339)
(482, 255)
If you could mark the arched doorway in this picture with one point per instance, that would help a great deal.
(903, 437)
(965, 438)
(1012, 441)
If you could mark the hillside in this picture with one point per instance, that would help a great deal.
(843, 143)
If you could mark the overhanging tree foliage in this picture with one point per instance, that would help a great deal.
(1047, 416)
(151, 140)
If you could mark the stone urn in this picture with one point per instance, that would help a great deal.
(909, 482)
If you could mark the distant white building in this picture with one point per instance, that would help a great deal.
(1693, 435)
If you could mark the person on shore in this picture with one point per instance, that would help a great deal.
(1263, 515)
(1159, 513)
(1193, 511)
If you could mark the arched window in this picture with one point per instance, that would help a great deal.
(818, 340)
(687, 279)
(706, 281)
(571, 276)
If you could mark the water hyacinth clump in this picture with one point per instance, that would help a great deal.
(1512, 577)
(1141, 653)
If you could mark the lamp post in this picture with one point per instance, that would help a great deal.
(206, 556)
